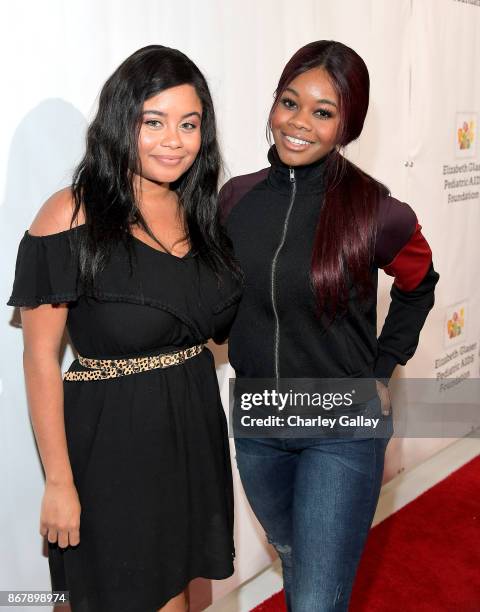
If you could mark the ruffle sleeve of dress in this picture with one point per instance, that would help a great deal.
(48, 272)
(45, 272)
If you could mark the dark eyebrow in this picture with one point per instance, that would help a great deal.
(321, 101)
(160, 114)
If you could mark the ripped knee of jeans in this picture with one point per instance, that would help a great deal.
(284, 550)
(338, 595)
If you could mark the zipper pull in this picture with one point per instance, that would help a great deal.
(292, 175)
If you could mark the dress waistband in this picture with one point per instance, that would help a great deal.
(102, 369)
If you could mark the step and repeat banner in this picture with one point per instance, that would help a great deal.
(420, 139)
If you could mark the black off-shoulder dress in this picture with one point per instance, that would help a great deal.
(149, 451)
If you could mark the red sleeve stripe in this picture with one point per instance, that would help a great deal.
(411, 263)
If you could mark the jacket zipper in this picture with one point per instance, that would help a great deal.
(274, 271)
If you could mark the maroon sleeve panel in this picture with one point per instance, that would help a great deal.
(411, 263)
(402, 252)
(395, 226)
(234, 190)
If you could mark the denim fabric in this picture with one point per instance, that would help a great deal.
(315, 498)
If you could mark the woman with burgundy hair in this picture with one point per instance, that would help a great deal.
(310, 233)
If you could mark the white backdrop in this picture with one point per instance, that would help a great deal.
(421, 57)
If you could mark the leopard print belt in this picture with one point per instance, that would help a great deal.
(113, 368)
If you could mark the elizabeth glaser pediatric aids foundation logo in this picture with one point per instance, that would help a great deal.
(465, 141)
(455, 323)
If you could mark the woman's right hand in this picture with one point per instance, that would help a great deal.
(60, 514)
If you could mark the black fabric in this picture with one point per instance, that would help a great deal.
(149, 451)
(408, 310)
(254, 209)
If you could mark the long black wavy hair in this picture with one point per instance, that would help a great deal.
(103, 182)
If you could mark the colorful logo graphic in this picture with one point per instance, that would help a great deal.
(466, 127)
(466, 135)
(455, 323)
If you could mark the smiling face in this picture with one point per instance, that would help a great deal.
(170, 134)
(306, 119)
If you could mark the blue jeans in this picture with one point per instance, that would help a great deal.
(316, 499)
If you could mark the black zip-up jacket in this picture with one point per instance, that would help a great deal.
(271, 216)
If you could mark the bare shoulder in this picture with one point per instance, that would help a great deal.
(55, 215)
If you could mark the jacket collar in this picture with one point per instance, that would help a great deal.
(309, 179)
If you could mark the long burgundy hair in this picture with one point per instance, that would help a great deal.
(345, 235)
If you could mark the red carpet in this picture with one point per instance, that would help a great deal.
(423, 558)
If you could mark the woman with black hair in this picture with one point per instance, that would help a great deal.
(310, 233)
(132, 260)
